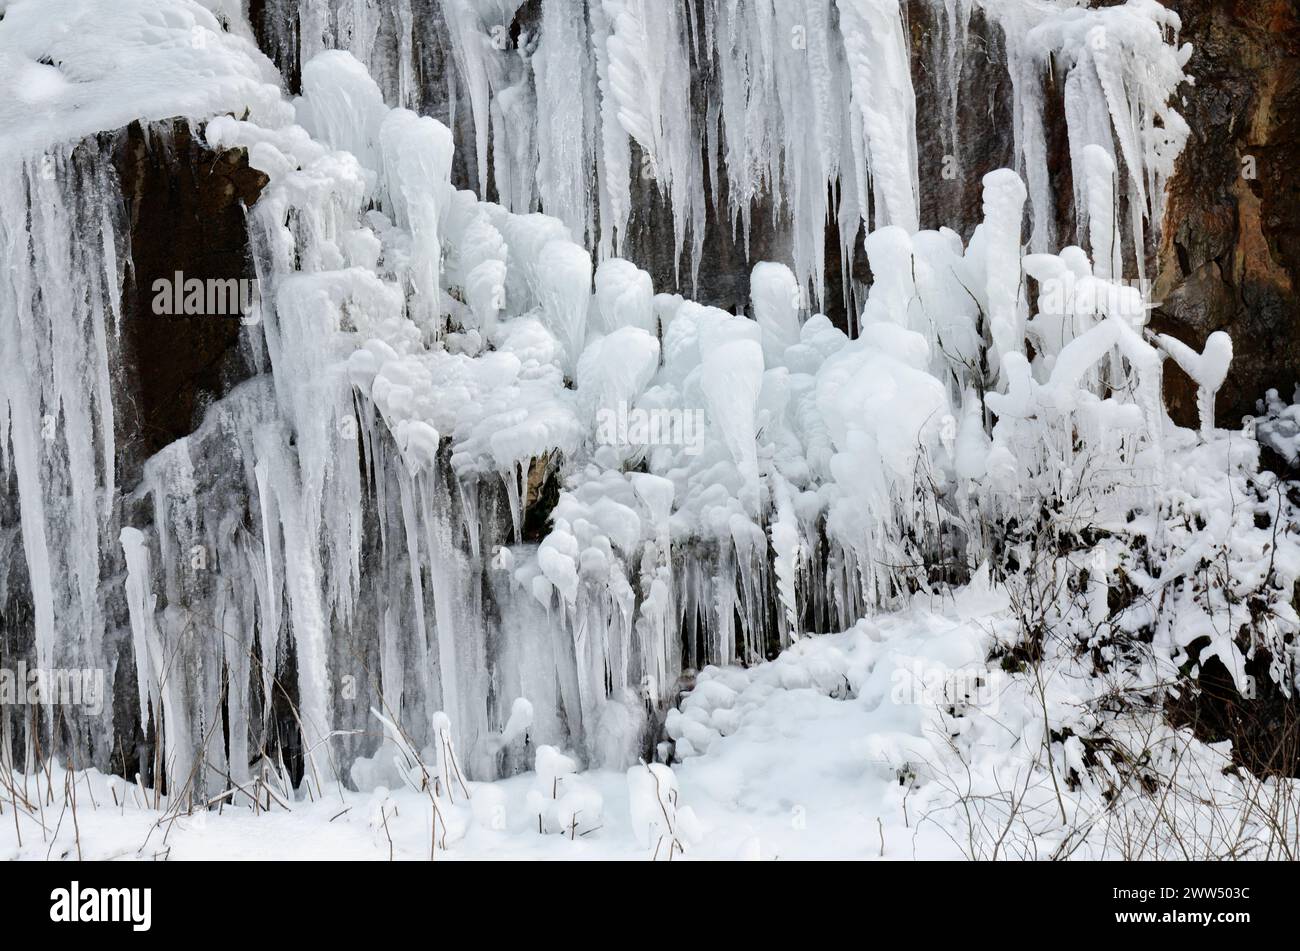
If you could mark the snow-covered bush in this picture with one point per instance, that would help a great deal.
(561, 800)
(660, 823)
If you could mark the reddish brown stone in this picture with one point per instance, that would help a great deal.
(1229, 258)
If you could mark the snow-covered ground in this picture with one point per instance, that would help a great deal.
(809, 768)
(893, 740)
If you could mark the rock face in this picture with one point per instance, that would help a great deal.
(1229, 257)
(958, 144)
(185, 213)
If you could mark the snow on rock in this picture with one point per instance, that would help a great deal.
(72, 68)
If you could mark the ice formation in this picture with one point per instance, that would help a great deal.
(807, 102)
(437, 362)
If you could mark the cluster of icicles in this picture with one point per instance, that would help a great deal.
(811, 101)
(430, 357)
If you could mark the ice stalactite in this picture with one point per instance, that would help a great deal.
(59, 324)
(949, 59)
(787, 556)
(884, 123)
(417, 154)
(564, 292)
(808, 103)
(566, 139)
(379, 35)
(1004, 199)
(652, 63)
(776, 299)
(1120, 67)
(492, 78)
(615, 152)
(324, 294)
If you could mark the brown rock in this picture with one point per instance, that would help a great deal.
(1229, 258)
(185, 207)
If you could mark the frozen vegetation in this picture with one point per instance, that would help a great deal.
(935, 586)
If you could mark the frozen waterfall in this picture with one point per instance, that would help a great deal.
(484, 460)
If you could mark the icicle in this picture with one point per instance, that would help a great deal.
(566, 142)
(140, 605)
(615, 149)
(1207, 369)
(57, 296)
(880, 67)
(304, 590)
(564, 291)
(776, 299)
(787, 555)
(417, 155)
(1004, 199)
(1100, 204)
(733, 375)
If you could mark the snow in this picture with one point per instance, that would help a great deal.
(1207, 369)
(853, 746)
(72, 68)
(789, 792)
(1279, 429)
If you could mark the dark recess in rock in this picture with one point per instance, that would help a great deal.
(185, 207)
